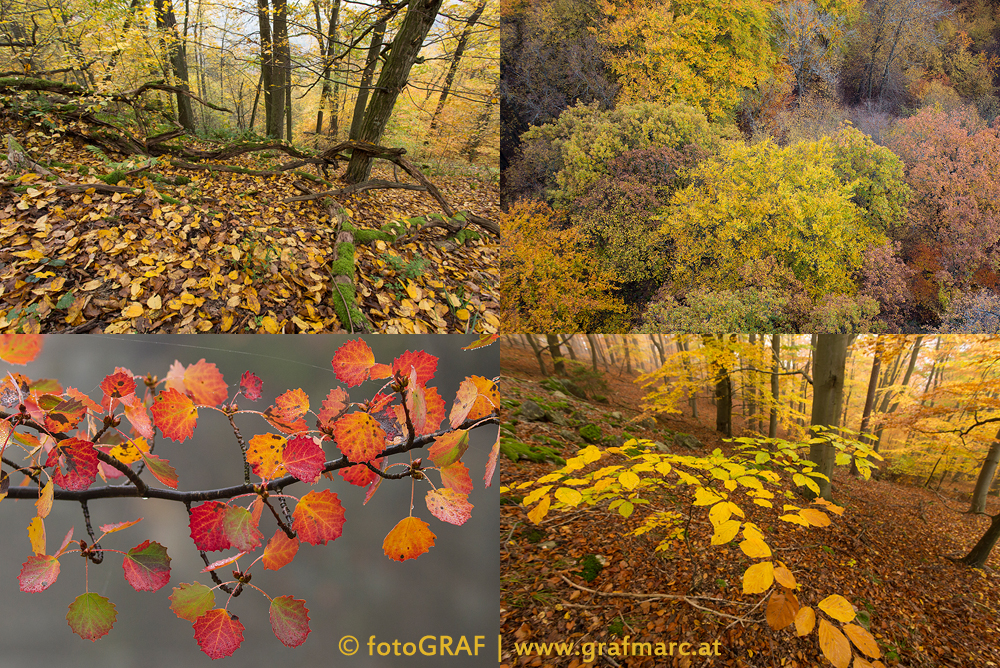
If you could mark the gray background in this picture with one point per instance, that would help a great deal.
(349, 585)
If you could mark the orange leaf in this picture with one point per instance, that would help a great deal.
(805, 619)
(174, 413)
(352, 361)
(205, 384)
(264, 456)
(488, 399)
(44, 502)
(359, 436)
(410, 538)
(837, 607)
(280, 550)
(781, 609)
(464, 400)
(863, 640)
(784, 577)
(449, 448)
(19, 348)
(318, 517)
(834, 645)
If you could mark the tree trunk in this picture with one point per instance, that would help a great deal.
(557, 360)
(420, 15)
(828, 396)
(772, 426)
(327, 51)
(538, 353)
(266, 64)
(593, 351)
(979, 554)
(455, 60)
(177, 55)
(866, 414)
(482, 124)
(366, 79)
(282, 72)
(723, 403)
(986, 475)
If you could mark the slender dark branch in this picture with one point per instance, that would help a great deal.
(140, 484)
(281, 523)
(96, 555)
(389, 476)
(108, 492)
(20, 469)
(285, 511)
(243, 447)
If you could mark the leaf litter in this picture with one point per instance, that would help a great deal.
(190, 251)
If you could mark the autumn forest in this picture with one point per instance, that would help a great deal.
(782, 500)
(757, 165)
(294, 167)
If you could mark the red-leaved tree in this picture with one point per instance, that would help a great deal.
(56, 442)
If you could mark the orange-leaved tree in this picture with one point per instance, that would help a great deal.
(728, 486)
(550, 281)
(67, 439)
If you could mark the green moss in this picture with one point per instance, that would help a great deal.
(113, 178)
(346, 292)
(170, 200)
(591, 433)
(515, 450)
(344, 264)
(590, 568)
(367, 236)
(182, 181)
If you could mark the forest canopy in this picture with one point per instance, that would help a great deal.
(854, 155)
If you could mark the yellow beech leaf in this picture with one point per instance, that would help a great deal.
(251, 301)
(785, 577)
(816, 518)
(271, 325)
(154, 302)
(134, 310)
(834, 645)
(628, 480)
(538, 512)
(862, 640)
(755, 548)
(462, 314)
(36, 534)
(837, 607)
(795, 519)
(719, 513)
(758, 578)
(805, 620)
(725, 532)
(703, 497)
(570, 497)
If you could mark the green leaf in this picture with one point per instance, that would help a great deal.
(289, 620)
(191, 601)
(91, 616)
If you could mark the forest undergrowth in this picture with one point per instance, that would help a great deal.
(194, 251)
(887, 554)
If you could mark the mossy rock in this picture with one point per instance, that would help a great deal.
(516, 450)
(591, 433)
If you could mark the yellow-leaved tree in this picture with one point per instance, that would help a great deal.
(703, 52)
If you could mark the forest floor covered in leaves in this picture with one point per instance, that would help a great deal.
(885, 554)
(198, 251)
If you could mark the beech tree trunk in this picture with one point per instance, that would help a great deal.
(978, 555)
(420, 15)
(538, 353)
(327, 51)
(366, 79)
(455, 60)
(557, 360)
(772, 426)
(986, 475)
(866, 414)
(177, 55)
(828, 396)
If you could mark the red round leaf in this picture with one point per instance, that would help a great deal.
(251, 386)
(425, 364)
(359, 474)
(289, 620)
(280, 550)
(218, 634)
(147, 566)
(241, 529)
(207, 526)
(38, 573)
(119, 384)
(333, 407)
(303, 458)
(174, 413)
(318, 517)
(449, 506)
(352, 361)
(76, 464)
(205, 384)
(456, 476)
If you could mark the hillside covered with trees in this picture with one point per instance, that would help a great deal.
(789, 500)
(759, 165)
(275, 166)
